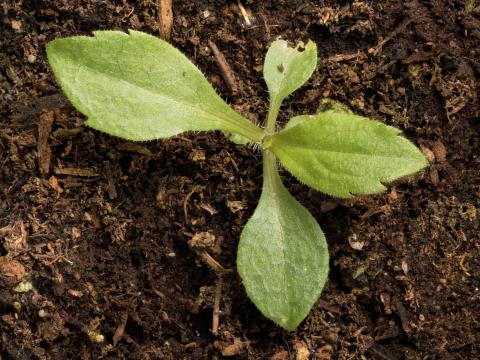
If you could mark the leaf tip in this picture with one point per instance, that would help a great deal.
(288, 324)
(311, 46)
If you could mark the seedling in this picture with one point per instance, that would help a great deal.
(138, 87)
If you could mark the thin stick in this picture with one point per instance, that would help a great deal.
(212, 263)
(216, 306)
(43, 149)
(244, 13)
(165, 18)
(185, 204)
(225, 68)
(346, 57)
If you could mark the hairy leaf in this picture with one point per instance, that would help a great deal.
(282, 255)
(343, 154)
(139, 87)
(286, 69)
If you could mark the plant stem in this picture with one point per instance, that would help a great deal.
(270, 172)
(273, 110)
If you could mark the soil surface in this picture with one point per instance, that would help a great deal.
(97, 260)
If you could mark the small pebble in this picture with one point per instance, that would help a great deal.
(355, 243)
(16, 25)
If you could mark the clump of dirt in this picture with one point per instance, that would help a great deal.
(100, 237)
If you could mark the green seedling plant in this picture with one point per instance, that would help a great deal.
(138, 87)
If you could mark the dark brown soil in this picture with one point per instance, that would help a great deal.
(100, 227)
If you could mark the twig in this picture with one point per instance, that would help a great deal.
(212, 263)
(44, 128)
(216, 306)
(75, 172)
(232, 161)
(225, 68)
(165, 18)
(346, 57)
(244, 13)
(185, 203)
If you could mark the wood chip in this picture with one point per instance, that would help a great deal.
(326, 306)
(16, 25)
(165, 18)
(440, 152)
(54, 184)
(75, 293)
(112, 191)
(197, 155)
(66, 134)
(76, 172)
(428, 154)
(117, 336)
(209, 208)
(202, 240)
(11, 272)
(404, 317)
(235, 205)
(346, 57)
(44, 152)
(301, 351)
(235, 348)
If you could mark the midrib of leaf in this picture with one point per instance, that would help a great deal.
(275, 183)
(253, 133)
(328, 151)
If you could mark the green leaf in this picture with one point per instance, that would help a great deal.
(285, 70)
(326, 104)
(139, 87)
(236, 139)
(282, 254)
(343, 154)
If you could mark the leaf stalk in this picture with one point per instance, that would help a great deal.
(272, 116)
